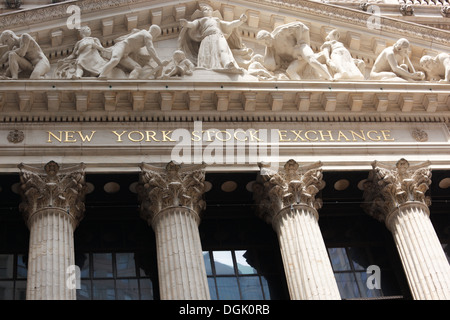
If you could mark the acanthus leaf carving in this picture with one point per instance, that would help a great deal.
(388, 187)
(292, 185)
(53, 187)
(172, 186)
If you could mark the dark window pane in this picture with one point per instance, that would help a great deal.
(227, 288)
(6, 266)
(223, 262)
(21, 290)
(102, 265)
(146, 287)
(84, 293)
(6, 290)
(22, 266)
(207, 260)
(243, 266)
(125, 265)
(82, 261)
(103, 289)
(339, 259)
(266, 288)
(251, 288)
(359, 258)
(347, 285)
(127, 289)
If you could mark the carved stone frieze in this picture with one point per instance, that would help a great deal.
(16, 136)
(389, 187)
(291, 185)
(169, 187)
(53, 187)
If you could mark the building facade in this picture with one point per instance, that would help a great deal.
(197, 150)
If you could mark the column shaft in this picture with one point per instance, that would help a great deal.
(307, 266)
(50, 254)
(424, 261)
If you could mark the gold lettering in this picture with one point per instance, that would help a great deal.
(136, 140)
(165, 137)
(282, 134)
(69, 136)
(119, 136)
(150, 134)
(208, 133)
(196, 135)
(252, 135)
(50, 134)
(341, 134)
(387, 135)
(297, 135)
(326, 135)
(377, 138)
(307, 135)
(235, 136)
(86, 137)
(218, 137)
(362, 136)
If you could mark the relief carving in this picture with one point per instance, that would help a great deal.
(437, 68)
(23, 55)
(53, 187)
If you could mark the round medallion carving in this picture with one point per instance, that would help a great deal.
(420, 135)
(15, 136)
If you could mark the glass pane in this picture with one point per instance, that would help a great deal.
(212, 288)
(146, 289)
(84, 293)
(127, 289)
(207, 260)
(6, 266)
(347, 285)
(251, 288)
(22, 266)
(266, 289)
(82, 261)
(339, 259)
(359, 258)
(102, 265)
(227, 288)
(361, 278)
(6, 290)
(223, 262)
(21, 290)
(103, 289)
(243, 266)
(125, 265)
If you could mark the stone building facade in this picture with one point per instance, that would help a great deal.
(198, 150)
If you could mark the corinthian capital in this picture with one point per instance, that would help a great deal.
(389, 186)
(172, 186)
(291, 185)
(52, 187)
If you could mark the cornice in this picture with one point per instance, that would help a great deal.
(157, 100)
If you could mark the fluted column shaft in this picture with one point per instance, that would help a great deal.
(51, 252)
(396, 195)
(171, 202)
(287, 200)
(53, 205)
(423, 259)
(307, 266)
(182, 273)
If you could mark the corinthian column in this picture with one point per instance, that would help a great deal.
(396, 195)
(287, 200)
(171, 202)
(52, 203)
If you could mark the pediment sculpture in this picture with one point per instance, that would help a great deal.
(207, 42)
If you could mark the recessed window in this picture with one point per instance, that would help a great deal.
(232, 277)
(13, 274)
